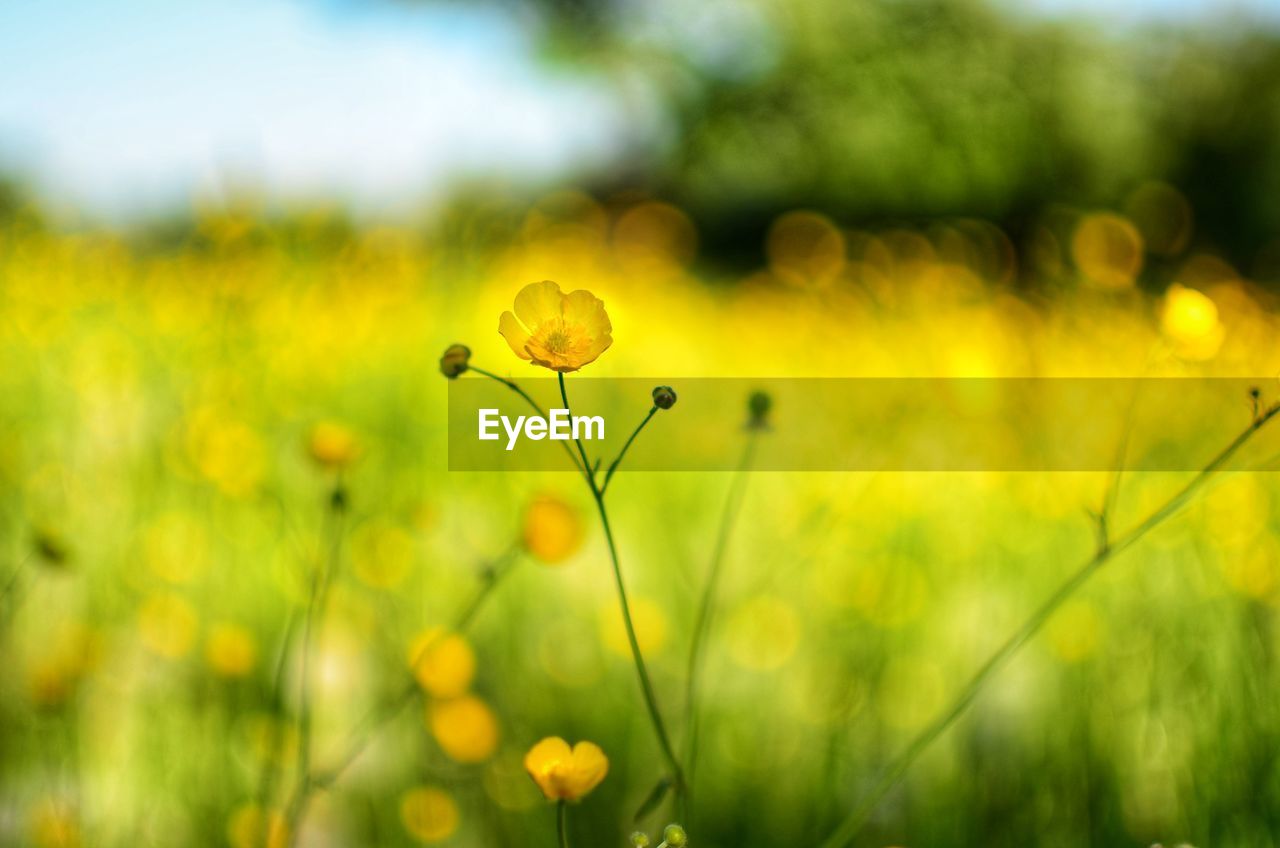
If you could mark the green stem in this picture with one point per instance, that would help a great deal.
(889, 778)
(513, 386)
(562, 830)
(613, 466)
(702, 624)
(646, 686)
(589, 471)
(317, 602)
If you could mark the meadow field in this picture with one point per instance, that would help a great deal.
(245, 603)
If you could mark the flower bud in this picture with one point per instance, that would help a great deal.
(455, 360)
(664, 397)
(640, 839)
(675, 836)
(758, 406)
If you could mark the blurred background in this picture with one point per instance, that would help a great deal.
(236, 237)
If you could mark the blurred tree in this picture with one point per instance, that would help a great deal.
(914, 109)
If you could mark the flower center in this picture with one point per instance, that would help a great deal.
(557, 340)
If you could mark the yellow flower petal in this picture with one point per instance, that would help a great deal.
(589, 767)
(517, 336)
(538, 302)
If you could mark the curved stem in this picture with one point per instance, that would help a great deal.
(889, 778)
(562, 830)
(515, 387)
(646, 686)
(613, 466)
(702, 624)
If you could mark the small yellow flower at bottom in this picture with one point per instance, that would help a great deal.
(564, 773)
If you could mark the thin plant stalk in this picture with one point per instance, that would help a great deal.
(317, 603)
(613, 466)
(646, 685)
(562, 829)
(1107, 549)
(702, 623)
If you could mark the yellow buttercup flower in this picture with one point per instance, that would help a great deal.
(564, 773)
(231, 650)
(332, 445)
(442, 662)
(552, 530)
(465, 728)
(559, 331)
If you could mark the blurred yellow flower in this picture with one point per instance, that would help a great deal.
(1076, 631)
(231, 650)
(564, 773)
(429, 814)
(1189, 319)
(443, 663)
(69, 654)
(381, 553)
(248, 827)
(559, 331)
(763, 633)
(176, 547)
(167, 625)
(650, 623)
(465, 728)
(332, 445)
(552, 529)
(1108, 250)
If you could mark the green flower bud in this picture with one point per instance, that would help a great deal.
(640, 839)
(675, 836)
(664, 397)
(758, 406)
(455, 360)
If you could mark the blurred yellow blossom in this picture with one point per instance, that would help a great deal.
(552, 529)
(176, 547)
(650, 624)
(465, 728)
(1076, 630)
(331, 445)
(231, 650)
(442, 662)
(763, 633)
(1189, 319)
(429, 814)
(559, 331)
(167, 624)
(1108, 250)
(381, 553)
(564, 773)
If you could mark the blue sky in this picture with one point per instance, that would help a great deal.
(135, 105)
